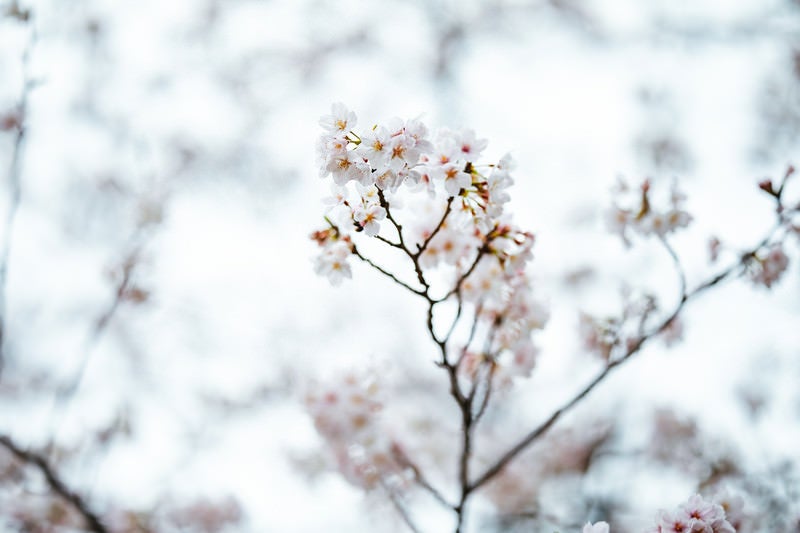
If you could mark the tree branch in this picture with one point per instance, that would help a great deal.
(387, 273)
(14, 184)
(534, 434)
(56, 484)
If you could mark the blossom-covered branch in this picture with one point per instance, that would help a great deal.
(435, 201)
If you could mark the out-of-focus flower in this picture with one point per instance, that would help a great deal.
(597, 527)
(767, 269)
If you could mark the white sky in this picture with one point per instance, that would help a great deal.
(211, 108)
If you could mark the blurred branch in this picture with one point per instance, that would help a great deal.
(16, 121)
(401, 508)
(65, 393)
(632, 350)
(55, 483)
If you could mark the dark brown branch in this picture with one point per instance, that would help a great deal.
(397, 226)
(414, 258)
(56, 484)
(457, 288)
(390, 243)
(387, 273)
(421, 248)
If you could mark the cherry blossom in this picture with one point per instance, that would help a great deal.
(432, 200)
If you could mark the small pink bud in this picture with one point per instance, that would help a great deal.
(766, 186)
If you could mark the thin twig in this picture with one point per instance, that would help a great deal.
(414, 258)
(419, 477)
(677, 262)
(487, 395)
(15, 184)
(397, 226)
(401, 509)
(386, 272)
(390, 243)
(457, 287)
(422, 247)
(92, 520)
(455, 319)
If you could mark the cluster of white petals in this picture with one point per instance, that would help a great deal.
(454, 223)
(695, 516)
(503, 296)
(612, 336)
(332, 261)
(368, 169)
(635, 210)
(346, 413)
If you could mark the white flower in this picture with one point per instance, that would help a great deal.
(416, 129)
(695, 516)
(368, 216)
(455, 178)
(402, 152)
(497, 185)
(388, 180)
(376, 147)
(341, 119)
(328, 148)
(349, 166)
(452, 243)
(468, 146)
(332, 262)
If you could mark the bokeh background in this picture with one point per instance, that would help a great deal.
(161, 316)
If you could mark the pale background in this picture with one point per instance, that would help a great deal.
(206, 112)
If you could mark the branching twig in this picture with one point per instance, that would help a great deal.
(92, 520)
(400, 508)
(386, 272)
(457, 287)
(487, 395)
(422, 247)
(632, 350)
(419, 477)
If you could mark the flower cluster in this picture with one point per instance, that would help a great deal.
(696, 515)
(459, 223)
(464, 200)
(611, 337)
(430, 199)
(766, 269)
(635, 209)
(332, 262)
(345, 413)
